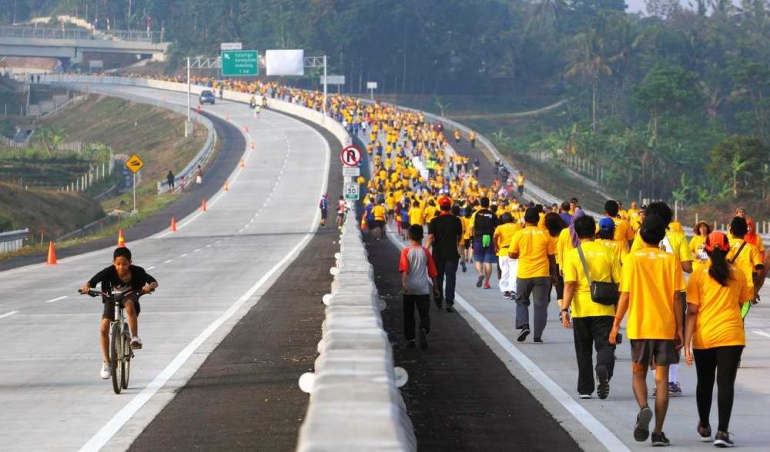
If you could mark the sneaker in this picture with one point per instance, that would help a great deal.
(507, 295)
(480, 281)
(423, 339)
(603, 389)
(439, 302)
(722, 439)
(411, 344)
(136, 343)
(642, 428)
(462, 265)
(523, 334)
(660, 440)
(450, 308)
(704, 433)
(538, 340)
(514, 295)
(106, 371)
(585, 396)
(487, 286)
(674, 389)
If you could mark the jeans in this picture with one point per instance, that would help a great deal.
(447, 268)
(422, 302)
(592, 332)
(724, 362)
(539, 288)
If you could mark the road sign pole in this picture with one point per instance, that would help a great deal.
(188, 124)
(325, 84)
(134, 211)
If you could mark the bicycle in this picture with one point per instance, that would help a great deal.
(120, 337)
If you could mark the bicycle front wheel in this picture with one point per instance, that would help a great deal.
(127, 352)
(116, 358)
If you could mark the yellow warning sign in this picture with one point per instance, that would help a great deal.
(134, 163)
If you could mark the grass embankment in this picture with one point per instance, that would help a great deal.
(155, 134)
(503, 120)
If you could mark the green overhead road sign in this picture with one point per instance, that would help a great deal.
(239, 63)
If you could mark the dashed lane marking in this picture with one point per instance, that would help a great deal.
(56, 299)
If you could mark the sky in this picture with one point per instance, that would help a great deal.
(635, 6)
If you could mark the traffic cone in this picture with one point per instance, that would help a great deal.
(51, 254)
(226, 187)
(203, 206)
(121, 240)
(173, 224)
(243, 164)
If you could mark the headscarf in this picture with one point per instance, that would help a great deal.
(572, 234)
(751, 236)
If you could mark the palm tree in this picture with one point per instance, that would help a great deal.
(587, 61)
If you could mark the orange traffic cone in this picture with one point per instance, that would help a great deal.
(51, 254)
(173, 224)
(121, 240)
(226, 187)
(203, 206)
(243, 164)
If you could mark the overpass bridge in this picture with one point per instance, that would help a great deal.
(74, 43)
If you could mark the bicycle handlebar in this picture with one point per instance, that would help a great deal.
(96, 293)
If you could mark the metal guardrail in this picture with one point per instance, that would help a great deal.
(13, 240)
(80, 33)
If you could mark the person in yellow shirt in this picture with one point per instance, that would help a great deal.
(415, 214)
(430, 211)
(520, 184)
(554, 224)
(714, 337)
(697, 245)
(744, 256)
(591, 321)
(535, 272)
(623, 232)
(379, 213)
(502, 239)
(606, 237)
(649, 292)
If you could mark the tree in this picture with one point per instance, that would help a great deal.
(740, 160)
(588, 62)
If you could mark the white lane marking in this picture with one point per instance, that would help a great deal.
(150, 268)
(209, 245)
(56, 299)
(168, 261)
(599, 430)
(218, 241)
(762, 333)
(8, 314)
(185, 255)
(113, 425)
(196, 250)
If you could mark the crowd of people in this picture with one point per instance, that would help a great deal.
(628, 264)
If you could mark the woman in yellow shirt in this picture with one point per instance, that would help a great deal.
(714, 335)
(697, 244)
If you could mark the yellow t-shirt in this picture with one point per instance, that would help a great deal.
(534, 247)
(675, 243)
(503, 235)
(651, 278)
(466, 228)
(747, 261)
(603, 265)
(620, 251)
(700, 258)
(719, 322)
(379, 213)
(563, 245)
(415, 216)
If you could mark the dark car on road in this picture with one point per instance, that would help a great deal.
(207, 97)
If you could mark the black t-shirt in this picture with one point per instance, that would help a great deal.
(484, 223)
(109, 279)
(447, 230)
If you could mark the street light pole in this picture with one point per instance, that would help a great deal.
(187, 128)
(324, 105)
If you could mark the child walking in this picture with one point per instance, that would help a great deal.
(417, 271)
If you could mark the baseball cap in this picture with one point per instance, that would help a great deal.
(717, 240)
(606, 224)
(445, 201)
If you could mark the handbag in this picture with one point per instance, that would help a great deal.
(605, 293)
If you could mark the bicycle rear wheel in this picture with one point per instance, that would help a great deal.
(127, 352)
(116, 358)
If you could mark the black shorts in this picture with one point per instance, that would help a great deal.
(467, 244)
(654, 352)
(109, 309)
(379, 223)
(324, 214)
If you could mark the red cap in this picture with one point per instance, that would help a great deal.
(445, 201)
(717, 240)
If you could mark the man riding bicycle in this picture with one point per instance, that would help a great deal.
(121, 276)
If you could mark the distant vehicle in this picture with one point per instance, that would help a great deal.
(207, 96)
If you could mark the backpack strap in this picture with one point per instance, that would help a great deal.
(585, 264)
(740, 248)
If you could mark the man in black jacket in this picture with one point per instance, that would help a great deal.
(445, 233)
(483, 224)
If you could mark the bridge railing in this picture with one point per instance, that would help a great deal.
(79, 33)
(13, 240)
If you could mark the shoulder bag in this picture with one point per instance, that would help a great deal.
(605, 293)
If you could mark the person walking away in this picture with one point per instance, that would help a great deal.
(698, 244)
(417, 271)
(714, 337)
(323, 204)
(341, 209)
(745, 257)
(445, 233)
(536, 270)
(482, 225)
(591, 321)
(198, 175)
(121, 275)
(380, 214)
(170, 180)
(752, 238)
(461, 249)
(520, 184)
(606, 237)
(554, 225)
(502, 238)
(649, 292)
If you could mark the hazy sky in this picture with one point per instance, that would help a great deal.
(635, 6)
